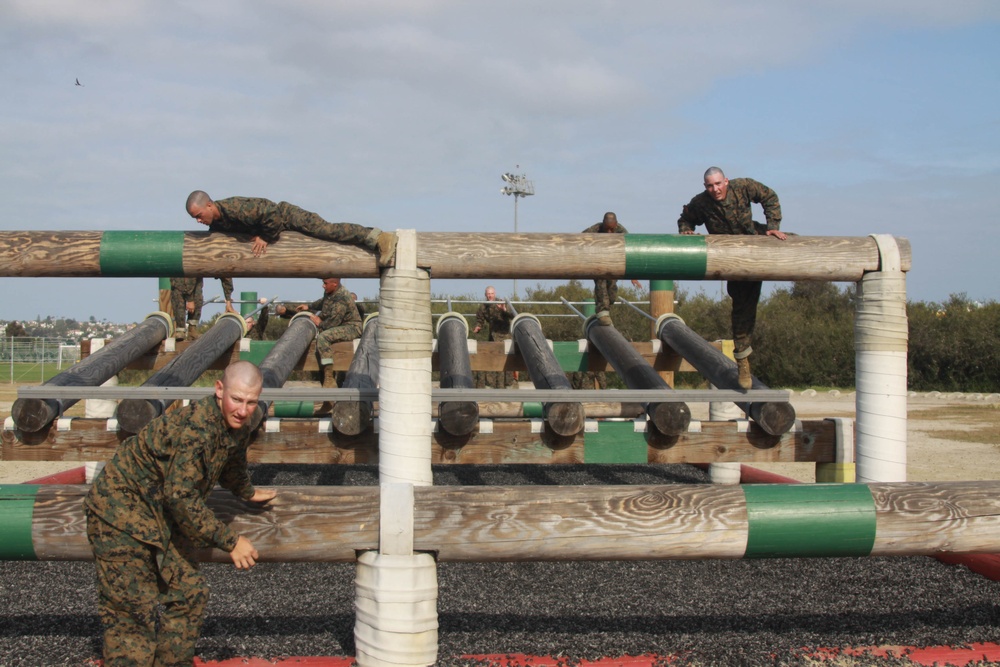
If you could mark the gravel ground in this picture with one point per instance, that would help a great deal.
(766, 612)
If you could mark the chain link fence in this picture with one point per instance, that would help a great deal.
(26, 359)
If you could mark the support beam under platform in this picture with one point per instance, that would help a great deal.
(493, 442)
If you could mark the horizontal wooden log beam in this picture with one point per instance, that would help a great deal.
(493, 442)
(517, 523)
(448, 255)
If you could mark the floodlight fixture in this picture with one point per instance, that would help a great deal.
(519, 187)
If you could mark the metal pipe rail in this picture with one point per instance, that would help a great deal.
(437, 395)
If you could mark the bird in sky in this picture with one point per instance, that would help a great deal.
(78, 83)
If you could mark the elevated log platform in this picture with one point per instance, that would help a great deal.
(492, 442)
(452, 255)
(533, 523)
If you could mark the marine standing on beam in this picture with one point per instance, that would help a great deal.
(606, 289)
(724, 208)
(265, 220)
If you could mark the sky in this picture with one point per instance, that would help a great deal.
(865, 116)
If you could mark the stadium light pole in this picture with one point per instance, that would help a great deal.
(519, 186)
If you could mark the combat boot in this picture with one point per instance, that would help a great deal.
(329, 377)
(743, 366)
(386, 244)
(192, 332)
(329, 381)
(604, 318)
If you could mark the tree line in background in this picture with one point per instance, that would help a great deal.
(805, 334)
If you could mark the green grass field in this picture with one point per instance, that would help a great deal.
(29, 373)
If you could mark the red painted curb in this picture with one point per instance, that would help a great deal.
(927, 657)
(73, 476)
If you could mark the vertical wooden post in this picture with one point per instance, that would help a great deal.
(661, 302)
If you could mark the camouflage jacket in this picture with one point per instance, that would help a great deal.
(596, 229)
(260, 217)
(335, 309)
(188, 287)
(733, 215)
(158, 480)
(489, 314)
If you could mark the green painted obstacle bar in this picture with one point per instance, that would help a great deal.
(17, 503)
(674, 256)
(138, 254)
(809, 520)
(615, 442)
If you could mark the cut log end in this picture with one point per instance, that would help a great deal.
(775, 418)
(135, 413)
(565, 418)
(458, 417)
(33, 414)
(351, 417)
(669, 418)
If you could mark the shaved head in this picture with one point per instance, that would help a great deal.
(197, 198)
(242, 372)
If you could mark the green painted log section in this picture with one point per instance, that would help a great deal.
(449, 255)
(624, 522)
(17, 504)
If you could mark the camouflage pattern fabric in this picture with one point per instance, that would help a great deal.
(146, 510)
(151, 614)
(588, 380)
(734, 216)
(490, 315)
(183, 290)
(605, 291)
(339, 321)
(262, 217)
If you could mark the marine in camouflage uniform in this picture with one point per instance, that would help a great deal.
(146, 513)
(336, 316)
(183, 290)
(265, 220)
(724, 208)
(606, 290)
(498, 319)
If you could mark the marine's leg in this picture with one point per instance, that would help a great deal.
(185, 595)
(127, 595)
(745, 295)
(602, 302)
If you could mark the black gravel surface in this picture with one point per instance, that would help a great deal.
(745, 612)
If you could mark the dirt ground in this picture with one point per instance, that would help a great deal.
(950, 437)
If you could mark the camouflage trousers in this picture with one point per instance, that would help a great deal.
(151, 604)
(745, 295)
(337, 232)
(327, 337)
(495, 379)
(605, 294)
(183, 290)
(588, 380)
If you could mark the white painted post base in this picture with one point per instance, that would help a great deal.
(396, 621)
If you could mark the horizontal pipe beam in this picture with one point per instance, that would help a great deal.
(517, 523)
(449, 255)
(518, 395)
